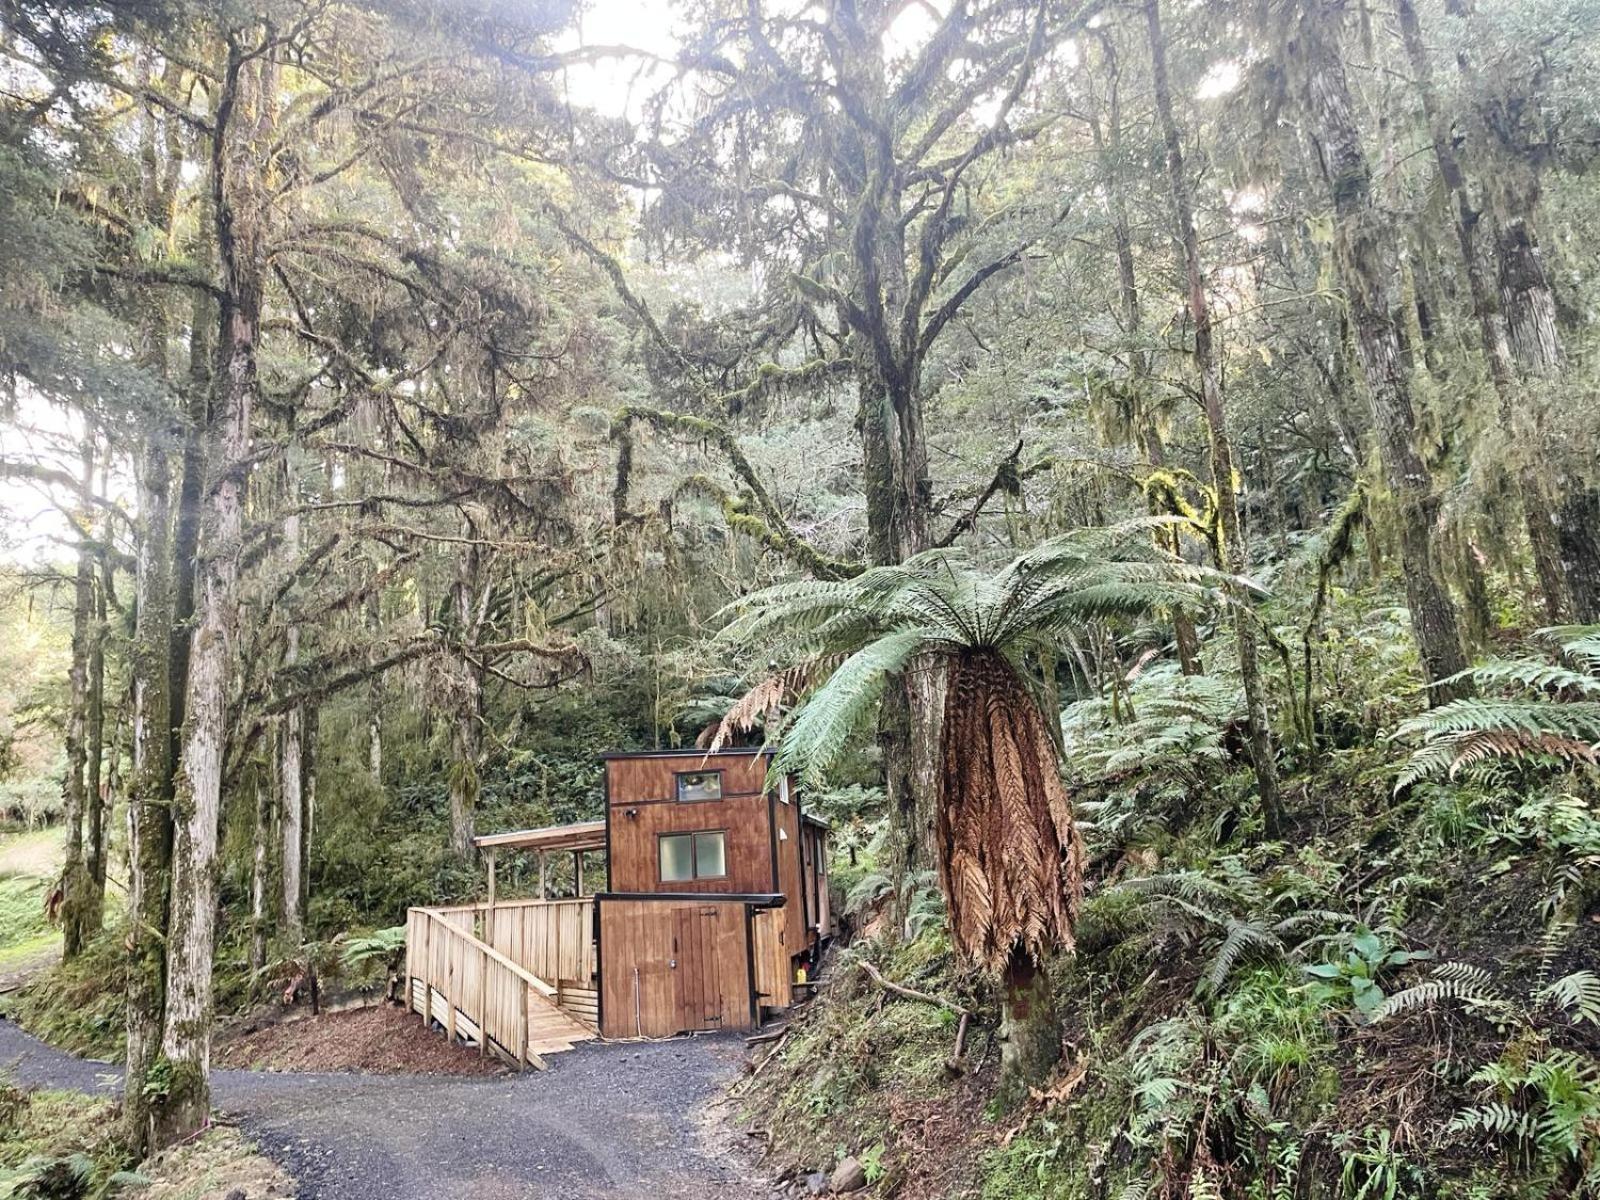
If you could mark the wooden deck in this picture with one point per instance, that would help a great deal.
(517, 981)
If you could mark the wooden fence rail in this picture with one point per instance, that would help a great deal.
(478, 993)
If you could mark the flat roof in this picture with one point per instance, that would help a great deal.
(692, 752)
(582, 835)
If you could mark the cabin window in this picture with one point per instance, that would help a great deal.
(689, 856)
(699, 785)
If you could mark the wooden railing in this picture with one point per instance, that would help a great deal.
(518, 981)
(553, 939)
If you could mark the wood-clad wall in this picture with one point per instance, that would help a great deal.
(643, 805)
(671, 966)
(791, 880)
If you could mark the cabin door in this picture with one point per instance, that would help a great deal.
(694, 958)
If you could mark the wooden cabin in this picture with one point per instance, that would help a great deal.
(715, 901)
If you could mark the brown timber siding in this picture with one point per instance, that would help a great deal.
(673, 966)
(643, 805)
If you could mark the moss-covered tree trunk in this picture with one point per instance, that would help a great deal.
(154, 661)
(1108, 143)
(1235, 551)
(76, 886)
(260, 863)
(95, 784)
(1531, 488)
(1528, 301)
(1368, 265)
(245, 107)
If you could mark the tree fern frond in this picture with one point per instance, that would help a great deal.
(819, 732)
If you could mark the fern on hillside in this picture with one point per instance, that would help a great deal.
(1531, 710)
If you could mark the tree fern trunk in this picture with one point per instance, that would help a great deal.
(1030, 1031)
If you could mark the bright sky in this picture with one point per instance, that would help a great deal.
(29, 523)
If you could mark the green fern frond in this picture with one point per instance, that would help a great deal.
(1577, 995)
(1243, 939)
(822, 728)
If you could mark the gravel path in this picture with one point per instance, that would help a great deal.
(603, 1123)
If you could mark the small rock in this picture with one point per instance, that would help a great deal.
(848, 1176)
(816, 1183)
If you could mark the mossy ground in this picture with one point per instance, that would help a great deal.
(66, 1146)
(1201, 1061)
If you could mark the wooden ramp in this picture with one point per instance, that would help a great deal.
(479, 995)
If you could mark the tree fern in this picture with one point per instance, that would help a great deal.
(1531, 710)
(835, 646)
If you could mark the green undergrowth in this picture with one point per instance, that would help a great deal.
(58, 1144)
(1397, 999)
(827, 1091)
(62, 1145)
(79, 1006)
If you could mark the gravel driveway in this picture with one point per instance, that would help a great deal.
(605, 1121)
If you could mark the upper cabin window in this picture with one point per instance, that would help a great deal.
(698, 785)
(689, 856)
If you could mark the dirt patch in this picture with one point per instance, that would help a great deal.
(376, 1040)
(218, 1166)
(36, 853)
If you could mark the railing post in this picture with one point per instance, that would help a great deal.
(450, 990)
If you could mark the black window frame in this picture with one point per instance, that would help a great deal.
(677, 786)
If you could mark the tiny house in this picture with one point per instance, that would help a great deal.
(715, 906)
(716, 892)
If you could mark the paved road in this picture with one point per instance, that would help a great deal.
(606, 1121)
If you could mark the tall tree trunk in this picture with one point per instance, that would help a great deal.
(375, 697)
(76, 885)
(154, 656)
(291, 768)
(1536, 506)
(1108, 147)
(95, 788)
(468, 597)
(1529, 303)
(260, 856)
(246, 101)
(291, 824)
(1368, 263)
(1235, 551)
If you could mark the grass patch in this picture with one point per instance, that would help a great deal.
(79, 1006)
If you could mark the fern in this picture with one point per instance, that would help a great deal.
(1545, 713)
(1469, 985)
(1577, 995)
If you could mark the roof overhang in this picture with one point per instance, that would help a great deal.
(584, 835)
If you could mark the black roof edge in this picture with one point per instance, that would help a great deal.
(759, 899)
(769, 751)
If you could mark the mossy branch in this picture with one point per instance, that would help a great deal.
(767, 524)
(781, 538)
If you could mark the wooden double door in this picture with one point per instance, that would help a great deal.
(671, 964)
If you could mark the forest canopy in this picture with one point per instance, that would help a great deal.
(1115, 451)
